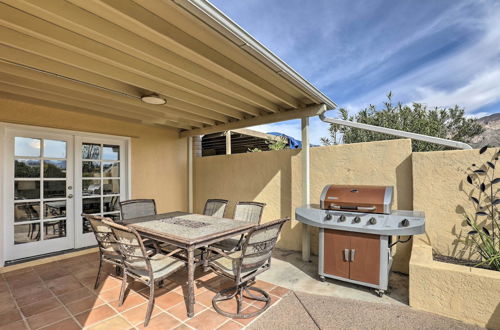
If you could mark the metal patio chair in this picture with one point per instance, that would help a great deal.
(108, 248)
(243, 266)
(243, 211)
(135, 208)
(141, 267)
(215, 207)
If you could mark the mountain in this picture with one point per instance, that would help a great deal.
(491, 134)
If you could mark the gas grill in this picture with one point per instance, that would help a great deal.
(357, 225)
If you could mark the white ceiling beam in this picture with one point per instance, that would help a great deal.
(81, 21)
(313, 110)
(35, 46)
(32, 78)
(143, 22)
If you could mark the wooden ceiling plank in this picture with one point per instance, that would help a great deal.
(143, 22)
(35, 46)
(135, 104)
(310, 111)
(27, 24)
(61, 106)
(85, 23)
(48, 65)
(96, 102)
(26, 94)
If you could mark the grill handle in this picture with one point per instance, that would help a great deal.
(346, 255)
(353, 208)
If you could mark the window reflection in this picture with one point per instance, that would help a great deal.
(54, 168)
(111, 204)
(26, 190)
(54, 229)
(26, 147)
(54, 189)
(91, 151)
(27, 168)
(110, 152)
(91, 187)
(54, 209)
(26, 211)
(113, 216)
(54, 149)
(110, 186)
(26, 233)
(111, 169)
(91, 169)
(91, 205)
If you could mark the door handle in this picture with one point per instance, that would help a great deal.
(346, 255)
(353, 253)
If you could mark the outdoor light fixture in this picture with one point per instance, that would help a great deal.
(153, 99)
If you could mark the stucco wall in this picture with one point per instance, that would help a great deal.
(441, 191)
(158, 159)
(274, 178)
(262, 177)
(464, 293)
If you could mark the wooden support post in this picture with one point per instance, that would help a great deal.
(306, 236)
(190, 174)
(228, 142)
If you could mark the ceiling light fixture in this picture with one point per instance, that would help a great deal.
(153, 99)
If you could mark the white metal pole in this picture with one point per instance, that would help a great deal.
(228, 142)
(306, 236)
(190, 174)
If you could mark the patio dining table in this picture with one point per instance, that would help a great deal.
(188, 231)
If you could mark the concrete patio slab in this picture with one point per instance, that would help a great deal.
(305, 311)
(289, 271)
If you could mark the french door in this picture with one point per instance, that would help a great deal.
(51, 178)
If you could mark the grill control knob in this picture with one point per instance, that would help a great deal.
(342, 218)
(405, 223)
(328, 216)
(372, 221)
(357, 219)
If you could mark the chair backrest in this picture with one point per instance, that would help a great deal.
(135, 257)
(259, 244)
(103, 234)
(249, 211)
(215, 207)
(135, 208)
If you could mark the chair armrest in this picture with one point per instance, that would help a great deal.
(221, 252)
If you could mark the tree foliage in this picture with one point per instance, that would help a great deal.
(447, 123)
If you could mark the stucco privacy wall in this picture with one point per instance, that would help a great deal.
(440, 189)
(158, 158)
(275, 178)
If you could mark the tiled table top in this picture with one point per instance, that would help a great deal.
(60, 295)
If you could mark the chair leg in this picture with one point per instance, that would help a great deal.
(151, 303)
(98, 277)
(123, 289)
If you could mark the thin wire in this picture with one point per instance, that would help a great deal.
(68, 78)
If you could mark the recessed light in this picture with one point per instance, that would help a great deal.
(153, 99)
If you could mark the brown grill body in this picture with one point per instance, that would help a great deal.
(356, 198)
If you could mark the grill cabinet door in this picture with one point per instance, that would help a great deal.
(365, 261)
(335, 242)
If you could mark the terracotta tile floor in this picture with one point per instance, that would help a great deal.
(60, 295)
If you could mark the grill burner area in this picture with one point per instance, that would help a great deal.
(356, 228)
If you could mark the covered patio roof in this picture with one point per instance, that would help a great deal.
(101, 57)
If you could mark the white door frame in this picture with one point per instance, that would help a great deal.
(5, 128)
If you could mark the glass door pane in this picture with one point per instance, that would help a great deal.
(101, 182)
(41, 179)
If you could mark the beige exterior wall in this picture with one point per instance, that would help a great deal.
(464, 293)
(274, 178)
(158, 157)
(441, 191)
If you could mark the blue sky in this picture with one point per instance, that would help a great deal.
(440, 53)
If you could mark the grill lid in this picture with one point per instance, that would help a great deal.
(357, 198)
